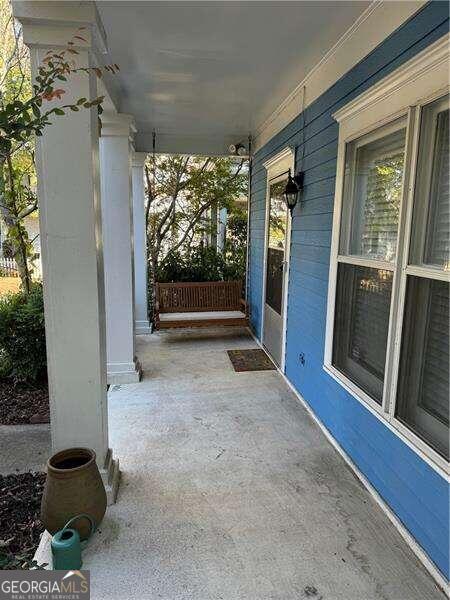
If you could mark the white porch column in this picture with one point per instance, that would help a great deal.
(221, 229)
(71, 246)
(115, 170)
(140, 244)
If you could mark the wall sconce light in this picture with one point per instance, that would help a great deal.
(293, 189)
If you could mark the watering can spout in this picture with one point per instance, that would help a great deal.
(66, 546)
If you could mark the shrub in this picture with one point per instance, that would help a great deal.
(22, 336)
(173, 268)
(201, 264)
(236, 246)
(206, 264)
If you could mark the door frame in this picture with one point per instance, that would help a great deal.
(277, 166)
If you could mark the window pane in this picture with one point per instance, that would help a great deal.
(438, 232)
(423, 388)
(372, 195)
(430, 243)
(361, 326)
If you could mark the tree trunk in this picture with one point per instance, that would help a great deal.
(19, 248)
(15, 229)
(21, 256)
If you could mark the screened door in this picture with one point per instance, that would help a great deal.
(276, 270)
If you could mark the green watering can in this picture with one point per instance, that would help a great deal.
(66, 546)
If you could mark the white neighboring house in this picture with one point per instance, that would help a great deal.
(32, 226)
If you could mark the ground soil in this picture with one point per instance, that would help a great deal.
(20, 526)
(21, 403)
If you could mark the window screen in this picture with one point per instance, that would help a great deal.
(276, 242)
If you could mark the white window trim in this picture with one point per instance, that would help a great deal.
(419, 81)
(278, 166)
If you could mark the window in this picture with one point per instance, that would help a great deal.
(373, 183)
(388, 311)
(423, 384)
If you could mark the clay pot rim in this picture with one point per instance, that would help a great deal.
(69, 453)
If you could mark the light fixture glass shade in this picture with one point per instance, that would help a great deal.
(291, 193)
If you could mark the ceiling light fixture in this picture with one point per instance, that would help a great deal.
(237, 149)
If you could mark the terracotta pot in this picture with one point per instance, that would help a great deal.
(73, 486)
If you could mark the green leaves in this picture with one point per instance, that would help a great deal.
(97, 101)
(181, 191)
(22, 334)
(23, 117)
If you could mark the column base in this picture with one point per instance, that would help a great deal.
(111, 477)
(142, 328)
(118, 373)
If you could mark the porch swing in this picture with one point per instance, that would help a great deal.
(200, 304)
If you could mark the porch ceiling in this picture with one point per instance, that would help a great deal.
(205, 74)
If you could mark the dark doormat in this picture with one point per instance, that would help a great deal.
(250, 360)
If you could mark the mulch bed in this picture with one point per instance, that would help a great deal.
(250, 360)
(21, 403)
(20, 527)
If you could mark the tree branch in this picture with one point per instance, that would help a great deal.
(28, 211)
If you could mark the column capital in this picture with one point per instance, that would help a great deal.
(117, 125)
(52, 24)
(138, 159)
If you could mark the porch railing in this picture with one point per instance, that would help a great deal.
(8, 267)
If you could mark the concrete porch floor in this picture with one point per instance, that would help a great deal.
(230, 491)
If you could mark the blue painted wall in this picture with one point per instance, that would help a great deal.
(415, 492)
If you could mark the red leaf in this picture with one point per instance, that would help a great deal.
(54, 94)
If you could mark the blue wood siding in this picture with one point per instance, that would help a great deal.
(415, 492)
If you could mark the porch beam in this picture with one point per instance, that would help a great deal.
(72, 258)
(115, 169)
(142, 325)
(178, 144)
